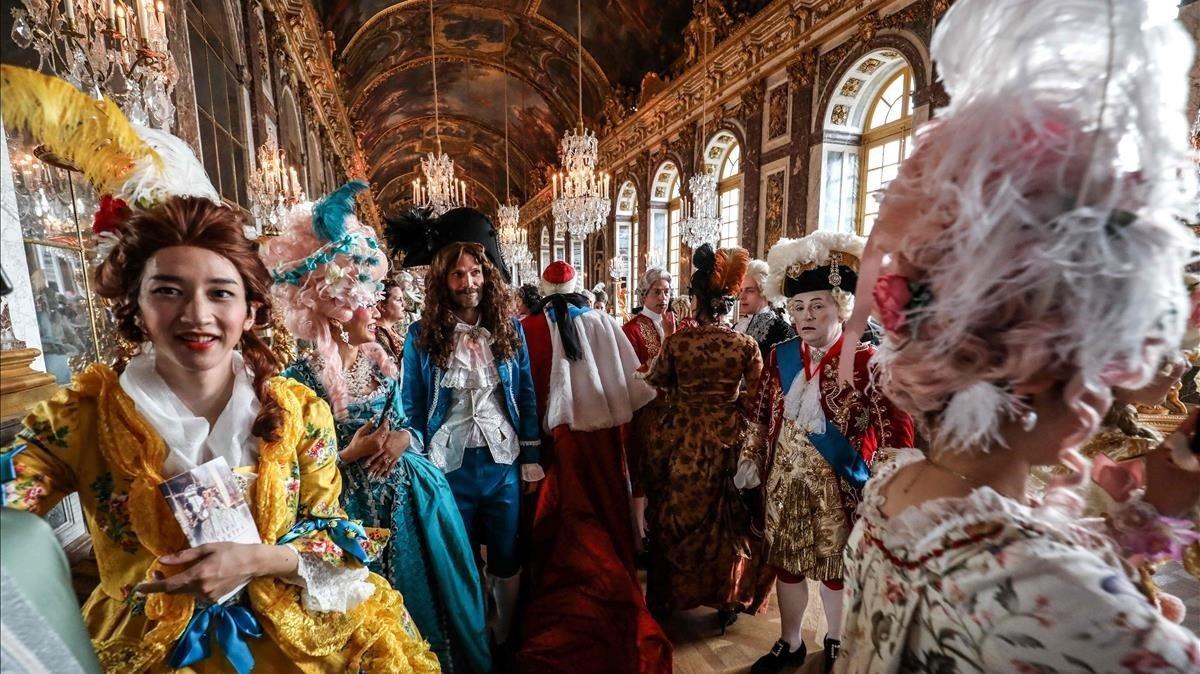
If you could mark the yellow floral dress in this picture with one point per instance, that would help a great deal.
(90, 439)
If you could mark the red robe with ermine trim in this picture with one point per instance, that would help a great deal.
(585, 611)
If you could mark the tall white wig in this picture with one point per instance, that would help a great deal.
(1037, 217)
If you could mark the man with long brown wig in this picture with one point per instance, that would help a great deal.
(468, 389)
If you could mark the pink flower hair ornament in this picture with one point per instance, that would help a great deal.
(326, 266)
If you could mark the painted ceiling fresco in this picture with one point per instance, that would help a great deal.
(383, 58)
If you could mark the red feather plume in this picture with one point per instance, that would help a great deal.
(730, 270)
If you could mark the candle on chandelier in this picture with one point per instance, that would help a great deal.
(160, 9)
(141, 17)
(121, 19)
(69, 11)
(112, 13)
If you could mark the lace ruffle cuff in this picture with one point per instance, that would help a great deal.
(330, 587)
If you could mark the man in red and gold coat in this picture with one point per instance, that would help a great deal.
(646, 331)
(585, 611)
(820, 438)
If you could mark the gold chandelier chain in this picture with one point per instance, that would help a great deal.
(579, 55)
(437, 119)
(504, 66)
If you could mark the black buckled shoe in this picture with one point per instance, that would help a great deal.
(779, 659)
(833, 648)
(725, 619)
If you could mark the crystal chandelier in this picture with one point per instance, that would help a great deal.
(45, 195)
(581, 203)
(514, 244)
(438, 190)
(700, 222)
(274, 188)
(113, 48)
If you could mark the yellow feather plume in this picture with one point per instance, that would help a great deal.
(94, 136)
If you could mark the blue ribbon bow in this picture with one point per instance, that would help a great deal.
(8, 470)
(345, 533)
(231, 623)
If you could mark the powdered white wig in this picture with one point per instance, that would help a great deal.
(758, 270)
(652, 276)
(1038, 210)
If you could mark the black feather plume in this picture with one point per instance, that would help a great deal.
(412, 233)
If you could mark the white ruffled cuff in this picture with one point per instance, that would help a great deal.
(329, 587)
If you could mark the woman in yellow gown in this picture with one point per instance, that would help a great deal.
(186, 284)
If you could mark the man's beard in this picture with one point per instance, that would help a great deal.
(464, 299)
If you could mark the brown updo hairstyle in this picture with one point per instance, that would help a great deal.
(193, 221)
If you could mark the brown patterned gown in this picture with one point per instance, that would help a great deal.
(701, 550)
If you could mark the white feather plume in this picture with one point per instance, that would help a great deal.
(1051, 182)
(811, 249)
(174, 172)
(973, 415)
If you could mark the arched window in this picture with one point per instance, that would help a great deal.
(545, 250)
(887, 140)
(675, 216)
(221, 97)
(867, 129)
(626, 222)
(577, 259)
(560, 246)
(314, 165)
(665, 213)
(729, 194)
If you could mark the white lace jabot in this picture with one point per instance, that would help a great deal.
(189, 439)
(472, 365)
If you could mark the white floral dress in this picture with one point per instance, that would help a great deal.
(985, 584)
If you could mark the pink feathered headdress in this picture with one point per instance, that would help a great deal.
(325, 266)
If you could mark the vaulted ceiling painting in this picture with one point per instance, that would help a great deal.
(383, 57)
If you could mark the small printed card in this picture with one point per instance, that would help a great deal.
(209, 505)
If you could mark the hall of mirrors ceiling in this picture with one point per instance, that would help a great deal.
(381, 51)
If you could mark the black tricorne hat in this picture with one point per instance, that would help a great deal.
(821, 278)
(419, 237)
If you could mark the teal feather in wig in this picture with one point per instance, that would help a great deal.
(330, 213)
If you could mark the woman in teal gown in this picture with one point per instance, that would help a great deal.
(429, 558)
(327, 270)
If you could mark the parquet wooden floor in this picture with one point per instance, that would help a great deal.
(701, 649)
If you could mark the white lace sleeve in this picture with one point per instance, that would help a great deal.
(328, 587)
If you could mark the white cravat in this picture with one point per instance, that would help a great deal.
(476, 416)
(472, 365)
(657, 320)
(189, 439)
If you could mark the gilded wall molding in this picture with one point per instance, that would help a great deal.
(807, 39)
(303, 41)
